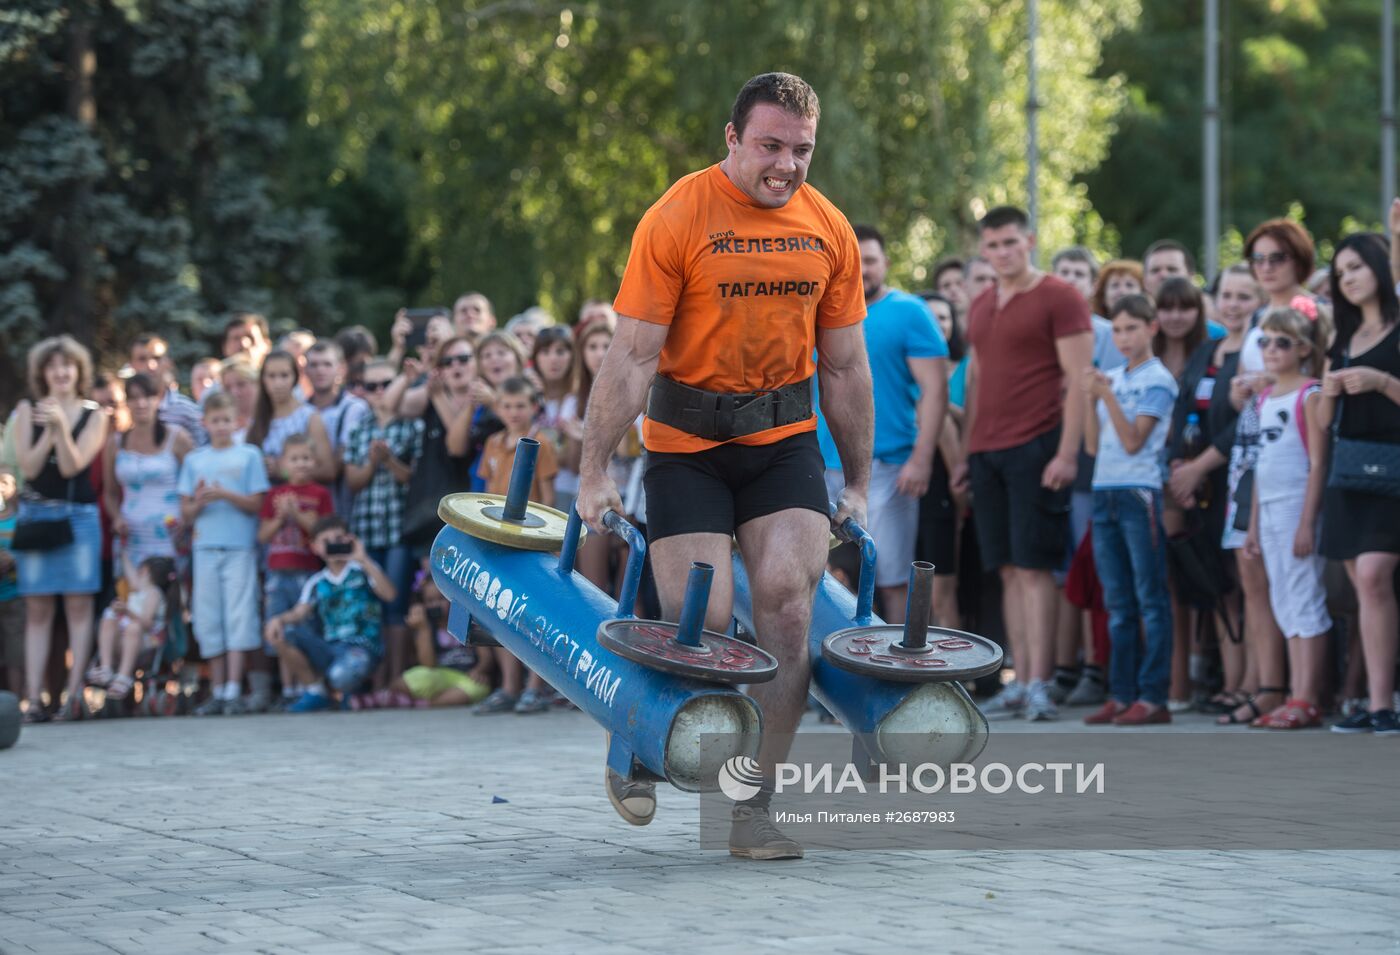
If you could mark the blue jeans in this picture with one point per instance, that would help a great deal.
(1130, 555)
(281, 591)
(344, 666)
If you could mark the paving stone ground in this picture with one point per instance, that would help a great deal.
(378, 832)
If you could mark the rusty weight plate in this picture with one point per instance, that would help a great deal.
(718, 658)
(876, 651)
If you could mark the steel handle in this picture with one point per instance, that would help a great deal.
(636, 560)
(853, 533)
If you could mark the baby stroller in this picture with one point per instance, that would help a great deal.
(167, 683)
(160, 687)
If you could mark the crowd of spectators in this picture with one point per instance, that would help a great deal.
(1146, 488)
(265, 530)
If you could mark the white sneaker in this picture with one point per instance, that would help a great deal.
(1039, 707)
(1007, 704)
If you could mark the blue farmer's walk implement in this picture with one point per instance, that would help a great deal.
(670, 716)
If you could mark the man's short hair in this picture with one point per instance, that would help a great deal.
(971, 261)
(146, 340)
(533, 317)
(1169, 245)
(355, 341)
(295, 334)
(248, 318)
(783, 90)
(490, 308)
(327, 345)
(1077, 253)
(331, 522)
(296, 441)
(945, 265)
(869, 233)
(999, 216)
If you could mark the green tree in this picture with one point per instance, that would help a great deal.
(1300, 100)
(537, 134)
(131, 190)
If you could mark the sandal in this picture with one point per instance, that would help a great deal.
(119, 687)
(1292, 715)
(98, 675)
(1233, 718)
(1224, 702)
(36, 713)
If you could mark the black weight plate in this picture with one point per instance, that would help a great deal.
(718, 659)
(874, 651)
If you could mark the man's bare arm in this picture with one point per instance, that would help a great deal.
(848, 404)
(618, 396)
(931, 375)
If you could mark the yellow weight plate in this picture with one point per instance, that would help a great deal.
(468, 513)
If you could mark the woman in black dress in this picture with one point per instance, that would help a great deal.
(1362, 386)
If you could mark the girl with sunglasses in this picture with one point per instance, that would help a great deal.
(1288, 480)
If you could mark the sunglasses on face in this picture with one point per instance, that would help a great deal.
(373, 386)
(459, 359)
(1281, 342)
(553, 333)
(1269, 258)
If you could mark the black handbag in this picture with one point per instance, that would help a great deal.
(50, 533)
(1366, 467)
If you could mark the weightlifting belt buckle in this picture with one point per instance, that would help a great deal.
(752, 413)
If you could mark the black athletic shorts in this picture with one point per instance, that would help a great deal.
(1019, 522)
(937, 542)
(716, 491)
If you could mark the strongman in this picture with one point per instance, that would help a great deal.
(737, 274)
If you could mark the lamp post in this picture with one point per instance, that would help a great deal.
(1210, 145)
(1032, 132)
(1387, 107)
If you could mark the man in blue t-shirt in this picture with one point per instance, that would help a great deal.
(909, 372)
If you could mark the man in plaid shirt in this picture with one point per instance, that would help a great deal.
(379, 458)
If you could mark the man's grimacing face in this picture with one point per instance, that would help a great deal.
(769, 162)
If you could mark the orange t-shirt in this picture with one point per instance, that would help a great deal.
(498, 458)
(743, 288)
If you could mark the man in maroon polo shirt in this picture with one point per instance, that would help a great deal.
(1027, 334)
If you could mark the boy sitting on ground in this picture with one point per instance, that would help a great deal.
(345, 596)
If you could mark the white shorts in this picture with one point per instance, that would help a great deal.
(1296, 591)
(225, 609)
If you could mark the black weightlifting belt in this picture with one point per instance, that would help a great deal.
(716, 416)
